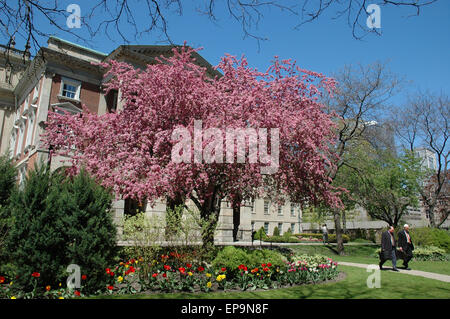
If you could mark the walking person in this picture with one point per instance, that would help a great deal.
(405, 245)
(325, 234)
(388, 249)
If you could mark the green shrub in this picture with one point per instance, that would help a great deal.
(260, 234)
(431, 237)
(282, 239)
(90, 230)
(59, 221)
(276, 232)
(231, 257)
(8, 175)
(331, 237)
(427, 253)
(424, 253)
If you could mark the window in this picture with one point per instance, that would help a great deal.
(20, 138)
(12, 141)
(132, 207)
(292, 209)
(280, 227)
(30, 129)
(70, 88)
(266, 207)
(292, 227)
(266, 228)
(111, 100)
(25, 107)
(280, 210)
(35, 93)
(252, 206)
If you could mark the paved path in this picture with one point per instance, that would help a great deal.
(430, 275)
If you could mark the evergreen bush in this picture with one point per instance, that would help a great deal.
(8, 175)
(260, 234)
(58, 221)
(276, 232)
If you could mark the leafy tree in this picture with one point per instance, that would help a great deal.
(424, 122)
(166, 101)
(360, 97)
(381, 183)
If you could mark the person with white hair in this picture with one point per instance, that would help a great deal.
(405, 245)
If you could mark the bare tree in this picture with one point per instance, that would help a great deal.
(424, 122)
(31, 19)
(361, 95)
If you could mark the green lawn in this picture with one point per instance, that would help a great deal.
(364, 255)
(354, 286)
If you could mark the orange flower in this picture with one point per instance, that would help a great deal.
(2, 279)
(48, 288)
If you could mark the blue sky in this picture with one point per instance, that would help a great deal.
(417, 47)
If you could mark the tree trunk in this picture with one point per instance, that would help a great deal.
(209, 213)
(431, 216)
(338, 231)
(344, 223)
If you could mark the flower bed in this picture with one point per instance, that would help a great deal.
(169, 273)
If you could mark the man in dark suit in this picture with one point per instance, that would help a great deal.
(405, 246)
(388, 250)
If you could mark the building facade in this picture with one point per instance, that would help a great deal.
(62, 76)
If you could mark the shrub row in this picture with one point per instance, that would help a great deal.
(425, 253)
(431, 237)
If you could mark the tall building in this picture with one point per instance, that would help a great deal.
(428, 158)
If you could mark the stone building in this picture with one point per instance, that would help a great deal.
(64, 75)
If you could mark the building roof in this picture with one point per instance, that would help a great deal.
(56, 39)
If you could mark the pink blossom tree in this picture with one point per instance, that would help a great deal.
(132, 151)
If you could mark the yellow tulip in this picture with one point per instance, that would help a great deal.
(208, 275)
(209, 284)
(13, 297)
(120, 279)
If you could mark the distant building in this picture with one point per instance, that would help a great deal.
(380, 136)
(428, 158)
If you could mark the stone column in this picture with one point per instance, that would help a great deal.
(224, 229)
